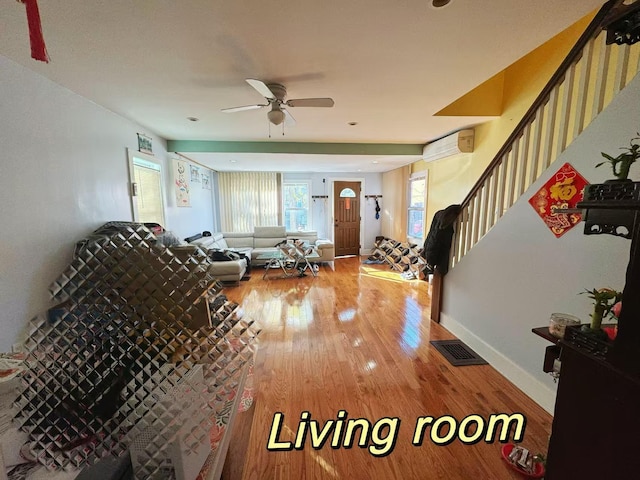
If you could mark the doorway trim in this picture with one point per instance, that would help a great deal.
(330, 218)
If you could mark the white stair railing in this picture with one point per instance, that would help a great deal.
(586, 82)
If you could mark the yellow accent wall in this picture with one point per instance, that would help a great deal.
(483, 101)
(450, 179)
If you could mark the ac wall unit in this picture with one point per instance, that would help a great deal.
(459, 142)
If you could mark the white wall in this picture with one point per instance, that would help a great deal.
(519, 273)
(63, 173)
(322, 214)
(188, 221)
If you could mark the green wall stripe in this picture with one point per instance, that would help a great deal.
(210, 146)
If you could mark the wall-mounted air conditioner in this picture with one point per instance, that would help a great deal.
(459, 142)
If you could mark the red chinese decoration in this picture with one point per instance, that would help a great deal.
(563, 190)
(38, 48)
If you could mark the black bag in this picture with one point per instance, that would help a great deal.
(229, 255)
(223, 255)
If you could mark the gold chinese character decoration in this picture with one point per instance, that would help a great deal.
(562, 191)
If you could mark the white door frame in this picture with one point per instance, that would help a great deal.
(330, 229)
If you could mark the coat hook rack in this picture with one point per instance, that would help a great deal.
(373, 196)
(319, 196)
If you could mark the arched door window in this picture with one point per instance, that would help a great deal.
(347, 194)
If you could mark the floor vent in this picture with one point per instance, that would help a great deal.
(457, 353)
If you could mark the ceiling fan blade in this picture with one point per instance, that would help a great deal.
(310, 102)
(289, 121)
(262, 88)
(241, 109)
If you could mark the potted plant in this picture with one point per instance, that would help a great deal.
(604, 300)
(621, 164)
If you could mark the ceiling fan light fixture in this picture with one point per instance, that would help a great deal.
(276, 116)
(275, 95)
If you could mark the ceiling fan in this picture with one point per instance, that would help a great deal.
(275, 94)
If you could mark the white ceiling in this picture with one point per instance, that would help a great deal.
(388, 65)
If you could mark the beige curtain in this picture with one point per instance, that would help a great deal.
(248, 199)
(394, 203)
(149, 198)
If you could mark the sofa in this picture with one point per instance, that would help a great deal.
(253, 244)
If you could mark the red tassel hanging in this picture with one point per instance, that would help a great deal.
(38, 48)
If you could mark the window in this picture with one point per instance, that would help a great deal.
(146, 178)
(416, 210)
(296, 201)
(347, 193)
(248, 200)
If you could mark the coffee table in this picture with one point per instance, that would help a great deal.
(292, 263)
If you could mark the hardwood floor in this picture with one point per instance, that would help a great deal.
(357, 339)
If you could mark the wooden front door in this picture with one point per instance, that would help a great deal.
(346, 201)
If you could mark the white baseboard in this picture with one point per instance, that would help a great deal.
(532, 387)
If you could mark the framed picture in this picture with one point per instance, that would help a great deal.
(144, 144)
(195, 174)
(206, 181)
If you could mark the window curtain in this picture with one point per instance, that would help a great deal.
(394, 203)
(249, 199)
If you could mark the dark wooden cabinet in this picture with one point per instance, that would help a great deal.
(596, 424)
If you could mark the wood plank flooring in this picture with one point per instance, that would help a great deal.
(357, 339)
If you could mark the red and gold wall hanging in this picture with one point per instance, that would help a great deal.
(563, 190)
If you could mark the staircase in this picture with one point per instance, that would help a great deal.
(585, 83)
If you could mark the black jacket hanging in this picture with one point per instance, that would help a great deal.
(377, 210)
(438, 242)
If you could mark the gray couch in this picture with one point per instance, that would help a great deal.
(261, 240)
(226, 271)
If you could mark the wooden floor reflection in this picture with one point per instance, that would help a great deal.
(357, 339)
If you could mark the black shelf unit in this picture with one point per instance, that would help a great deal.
(596, 421)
